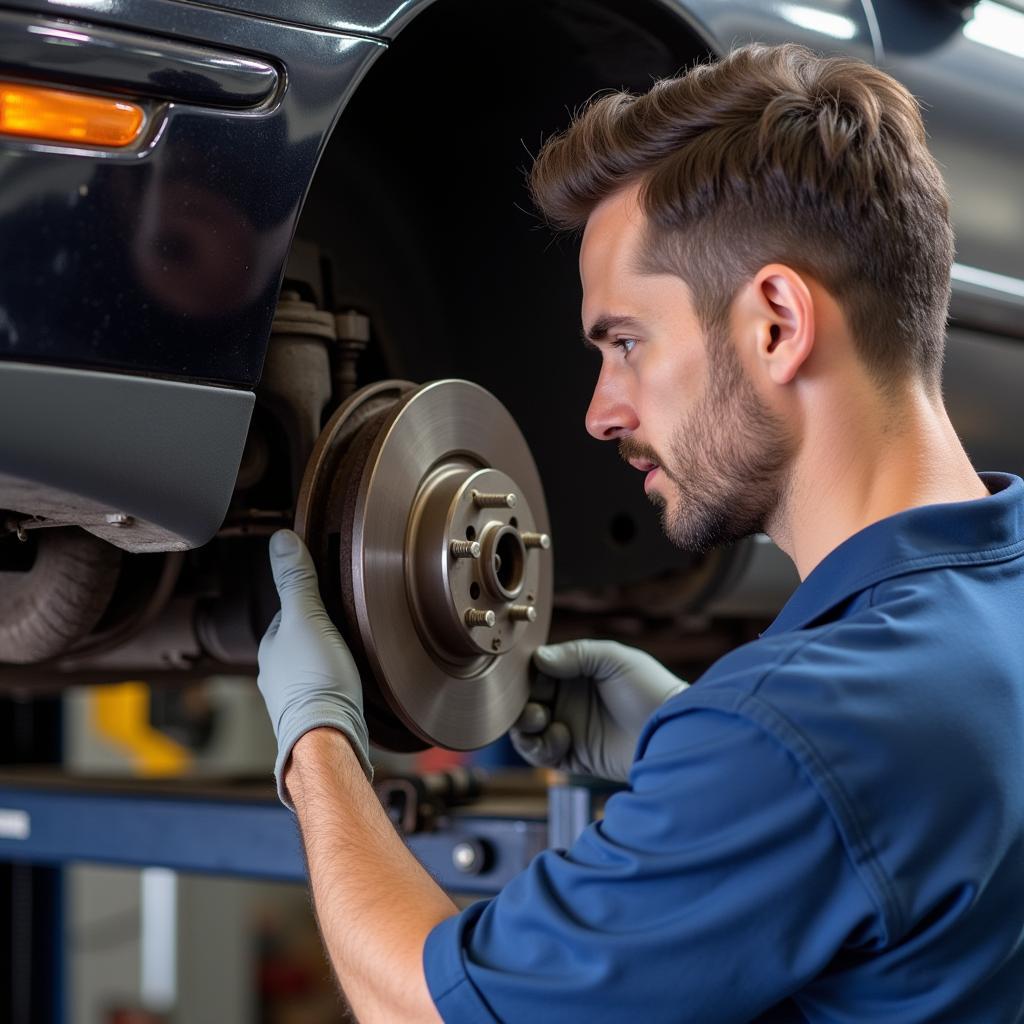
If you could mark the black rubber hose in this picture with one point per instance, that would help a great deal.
(59, 600)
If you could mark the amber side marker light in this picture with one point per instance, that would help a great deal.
(39, 113)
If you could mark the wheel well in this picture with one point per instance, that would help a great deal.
(420, 207)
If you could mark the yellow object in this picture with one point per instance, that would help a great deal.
(41, 113)
(120, 715)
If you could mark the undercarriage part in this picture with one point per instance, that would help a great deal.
(749, 579)
(296, 380)
(353, 329)
(415, 803)
(56, 599)
(144, 587)
(425, 516)
(169, 643)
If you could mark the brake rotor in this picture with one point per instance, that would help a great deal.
(424, 513)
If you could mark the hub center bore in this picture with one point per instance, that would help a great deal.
(503, 561)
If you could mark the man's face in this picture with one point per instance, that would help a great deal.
(680, 403)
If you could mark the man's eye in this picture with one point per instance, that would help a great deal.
(625, 345)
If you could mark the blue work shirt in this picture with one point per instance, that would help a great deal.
(827, 826)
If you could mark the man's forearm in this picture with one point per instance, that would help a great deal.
(375, 903)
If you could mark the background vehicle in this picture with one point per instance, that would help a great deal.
(155, 418)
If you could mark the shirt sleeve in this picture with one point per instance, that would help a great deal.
(713, 888)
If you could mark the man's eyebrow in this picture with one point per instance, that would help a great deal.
(599, 329)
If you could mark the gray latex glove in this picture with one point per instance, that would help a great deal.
(588, 706)
(307, 675)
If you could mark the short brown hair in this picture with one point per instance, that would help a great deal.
(776, 154)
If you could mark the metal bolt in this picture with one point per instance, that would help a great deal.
(522, 613)
(477, 617)
(482, 500)
(465, 549)
(536, 540)
(119, 519)
(352, 326)
(466, 858)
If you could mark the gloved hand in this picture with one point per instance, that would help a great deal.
(307, 675)
(588, 705)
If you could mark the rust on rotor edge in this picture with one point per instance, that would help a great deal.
(323, 515)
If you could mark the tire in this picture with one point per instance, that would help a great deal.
(60, 599)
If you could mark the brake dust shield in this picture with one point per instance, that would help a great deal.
(425, 516)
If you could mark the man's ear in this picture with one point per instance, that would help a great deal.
(779, 313)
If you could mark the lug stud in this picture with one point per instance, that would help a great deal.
(536, 540)
(522, 613)
(477, 617)
(465, 549)
(482, 500)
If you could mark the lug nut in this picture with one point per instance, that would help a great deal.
(536, 540)
(482, 500)
(522, 613)
(477, 617)
(465, 549)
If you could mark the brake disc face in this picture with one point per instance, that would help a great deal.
(425, 515)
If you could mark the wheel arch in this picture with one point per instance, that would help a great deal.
(421, 210)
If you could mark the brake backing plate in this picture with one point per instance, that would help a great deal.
(425, 515)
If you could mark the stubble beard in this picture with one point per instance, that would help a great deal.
(727, 461)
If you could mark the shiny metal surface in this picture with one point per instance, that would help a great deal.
(826, 24)
(968, 72)
(167, 259)
(443, 642)
(129, 62)
(365, 17)
(466, 703)
(448, 593)
(985, 301)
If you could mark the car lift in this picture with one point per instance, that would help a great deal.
(242, 830)
(49, 819)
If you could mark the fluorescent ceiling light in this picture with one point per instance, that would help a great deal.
(988, 279)
(819, 21)
(998, 26)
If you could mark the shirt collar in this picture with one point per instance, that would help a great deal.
(984, 530)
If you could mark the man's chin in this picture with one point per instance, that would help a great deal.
(658, 500)
(694, 530)
(680, 530)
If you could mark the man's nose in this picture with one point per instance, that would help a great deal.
(610, 416)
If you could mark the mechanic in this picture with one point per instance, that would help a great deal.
(828, 825)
